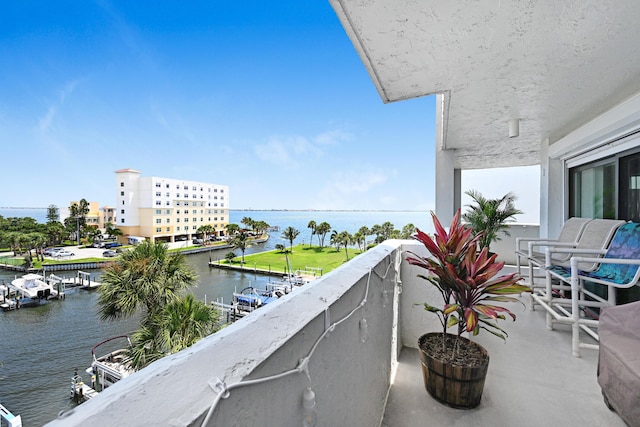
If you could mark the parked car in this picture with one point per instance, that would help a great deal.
(197, 241)
(112, 245)
(109, 253)
(97, 245)
(62, 253)
(51, 251)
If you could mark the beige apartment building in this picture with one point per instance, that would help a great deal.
(97, 216)
(165, 209)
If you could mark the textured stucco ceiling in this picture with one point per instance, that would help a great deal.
(555, 65)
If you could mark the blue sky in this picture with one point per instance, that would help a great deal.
(268, 98)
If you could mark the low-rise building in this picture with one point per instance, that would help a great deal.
(168, 209)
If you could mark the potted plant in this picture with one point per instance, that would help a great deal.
(454, 367)
(489, 217)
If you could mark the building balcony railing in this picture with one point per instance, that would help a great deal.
(338, 352)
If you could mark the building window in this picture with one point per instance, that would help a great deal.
(592, 189)
(193, 196)
(158, 203)
(177, 195)
(167, 185)
(168, 220)
(221, 218)
(122, 220)
(122, 184)
(177, 203)
(168, 212)
(194, 188)
(158, 194)
(178, 220)
(222, 204)
(122, 193)
(122, 211)
(158, 211)
(123, 202)
(186, 187)
(167, 194)
(168, 228)
(158, 230)
(195, 203)
(178, 211)
(178, 228)
(195, 219)
(215, 190)
(168, 203)
(158, 221)
(157, 185)
(186, 220)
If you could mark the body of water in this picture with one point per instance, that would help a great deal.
(41, 346)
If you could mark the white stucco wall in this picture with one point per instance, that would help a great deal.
(350, 377)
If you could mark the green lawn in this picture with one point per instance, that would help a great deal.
(302, 258)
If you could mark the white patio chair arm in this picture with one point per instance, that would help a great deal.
(550, 250)
(606, 260)
(548, 243)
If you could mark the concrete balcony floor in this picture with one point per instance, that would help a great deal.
(533, 380)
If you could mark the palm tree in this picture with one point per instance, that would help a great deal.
(260, 227)
(13, 238)
(206, 230)
(55, 232)
(180, 324)
(359, 239)
(334, 239)
(489, 217)
(146, 277)
(79, 212)
(111, 230)
(345, 239)
(321, 231)
(407, 231)
(312, 225)
(290, 234)
(240, 241)
(232, 229)
(94, 234)
(248, 222)
(38, 240)
(364, 231)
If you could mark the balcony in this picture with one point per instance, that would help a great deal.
(363, 372)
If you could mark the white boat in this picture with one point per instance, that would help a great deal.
(12, 420)
(109, 368)
(32, 286)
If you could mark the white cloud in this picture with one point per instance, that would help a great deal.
(45, 123)
(357, 182)
(332, 137)
(293, 151)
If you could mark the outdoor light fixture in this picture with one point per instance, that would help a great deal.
(309, 403)
(364, 330)
(514, 128)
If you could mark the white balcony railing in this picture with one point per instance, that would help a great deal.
(316, 338)
(344, 323)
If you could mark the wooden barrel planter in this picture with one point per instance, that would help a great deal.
(454, 383)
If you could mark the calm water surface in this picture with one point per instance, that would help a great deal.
(40, 347)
